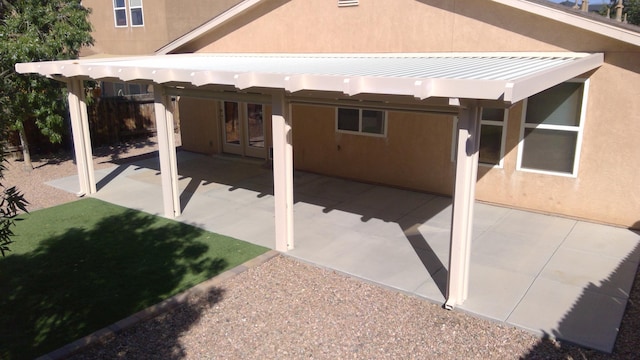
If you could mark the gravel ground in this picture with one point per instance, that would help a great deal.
(287, 309)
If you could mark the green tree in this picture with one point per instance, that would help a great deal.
(37, 30)
(631, 9)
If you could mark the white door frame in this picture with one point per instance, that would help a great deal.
(243, 146)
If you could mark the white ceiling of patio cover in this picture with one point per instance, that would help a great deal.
(488, 76)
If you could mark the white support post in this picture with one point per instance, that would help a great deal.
(468, 144)
(282, 172)
(167, 152)
(81, 137)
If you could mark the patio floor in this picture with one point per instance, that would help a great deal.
(552, 276)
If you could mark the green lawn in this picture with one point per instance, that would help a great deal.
(81, 266)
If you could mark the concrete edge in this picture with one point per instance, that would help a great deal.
(157, 309)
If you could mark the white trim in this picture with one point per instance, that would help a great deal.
(597, 27)
(209, 26)
(360, 132)
(566, 128)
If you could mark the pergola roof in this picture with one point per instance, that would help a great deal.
(508, 77)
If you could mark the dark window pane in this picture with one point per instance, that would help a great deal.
(118, 3)
(372, 122)
(549, 150)
(559, 105)
(136, 17)
(348, 119)
(231, 123)
(121, 17)
(492, 114)
(135, 89)
(256, 125)
(490, 142)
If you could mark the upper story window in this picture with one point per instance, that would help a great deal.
(361, 121)
(135, 8)
(120, 13)
(551, 132)
(134, 13)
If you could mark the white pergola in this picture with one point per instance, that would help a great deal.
(455, 83)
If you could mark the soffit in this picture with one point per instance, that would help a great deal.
(508, 77)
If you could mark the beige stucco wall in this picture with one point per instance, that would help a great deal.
(414, 154)
(202, 136)
(163, 21)
(606, 189)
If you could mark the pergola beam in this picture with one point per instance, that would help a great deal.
(282, 171)
(468, 144)
(167, 152)
(81, 136)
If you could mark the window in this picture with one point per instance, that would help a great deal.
(120, 13)
(551, 133)
(492, 136)
(135, 7)
(362, 121)
(135, 13)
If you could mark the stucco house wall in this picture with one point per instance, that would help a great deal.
(416, 152)
(164, 21)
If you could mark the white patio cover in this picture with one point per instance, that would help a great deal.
(509, 77)
(466, 80)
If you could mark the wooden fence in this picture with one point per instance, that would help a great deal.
(118, 119)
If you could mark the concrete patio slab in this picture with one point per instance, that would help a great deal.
(494, 293)
(550, 275)
(567, 267)
(572, 313)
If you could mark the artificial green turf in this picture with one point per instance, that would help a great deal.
(81, 266)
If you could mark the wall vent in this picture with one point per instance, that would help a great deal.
(344, 3)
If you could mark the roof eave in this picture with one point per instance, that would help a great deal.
(219, 20)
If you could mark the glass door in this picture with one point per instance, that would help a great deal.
(231, 128)
(244, 129)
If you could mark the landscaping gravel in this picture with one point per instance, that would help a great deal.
(285, 309)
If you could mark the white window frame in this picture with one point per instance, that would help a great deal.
(131, 13)
(360, 132)
(126, 14)
(503, 139)
(577, 129)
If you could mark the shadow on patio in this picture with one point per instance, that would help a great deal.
(527, 269)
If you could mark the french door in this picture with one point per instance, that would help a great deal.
(243, 129)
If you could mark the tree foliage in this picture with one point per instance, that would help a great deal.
(631, 9)
(11, 200)
(37, 30)
(33, 30)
